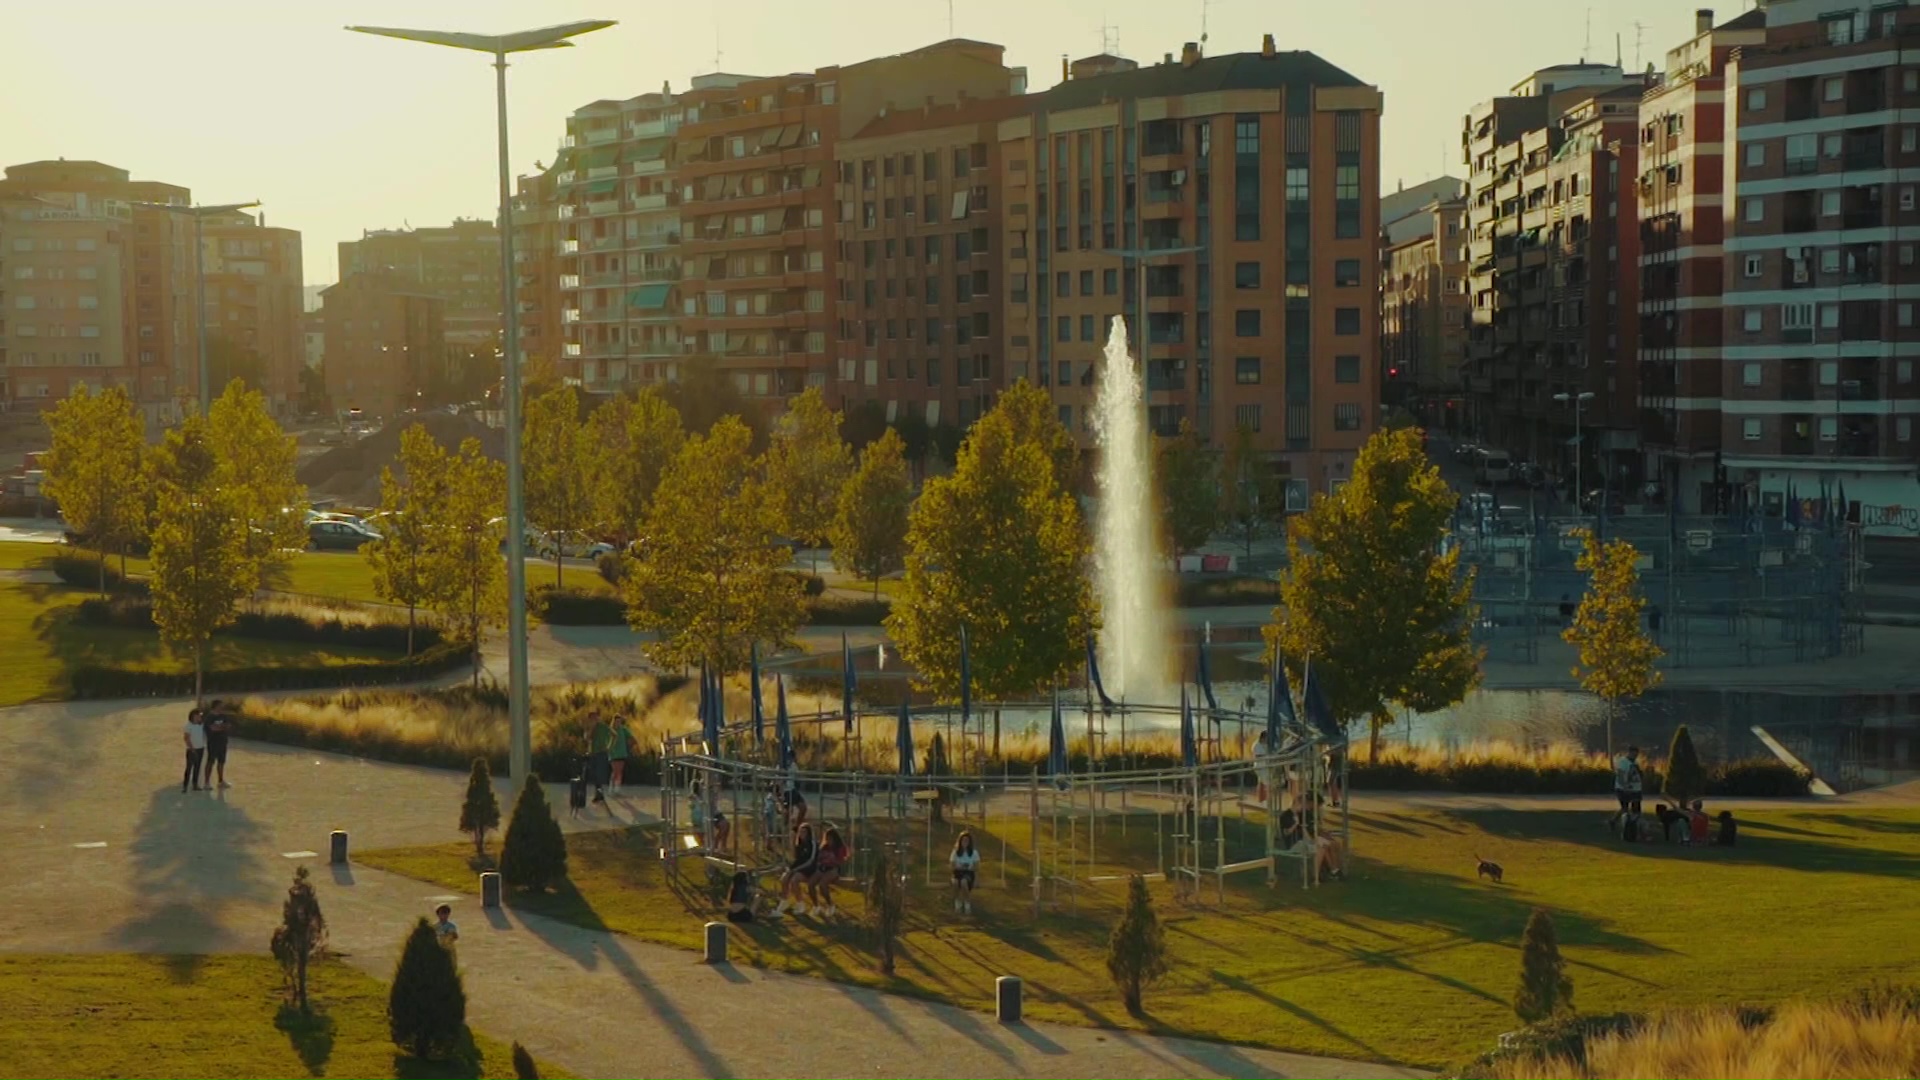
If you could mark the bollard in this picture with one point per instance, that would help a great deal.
(337, 852)
(1006, 991)
(716, 952)
(490, 889)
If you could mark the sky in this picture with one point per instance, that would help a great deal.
(337, 132)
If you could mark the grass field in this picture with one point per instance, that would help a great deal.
(220, 1016)
(1412, 960)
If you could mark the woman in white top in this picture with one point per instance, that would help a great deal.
(966, 868)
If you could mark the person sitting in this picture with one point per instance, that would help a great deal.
(740, 898)
(1669, 817)
(799, 868)
(965, 862)
(829, 863)
(1292, 830)
(1699, 826)
(1725, 837)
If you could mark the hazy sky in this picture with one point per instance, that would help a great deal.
(335, 132)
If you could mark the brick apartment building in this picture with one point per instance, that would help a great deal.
(385, 342)
(255, 302)
(460, 263)
(537, 260)
(1424, 308)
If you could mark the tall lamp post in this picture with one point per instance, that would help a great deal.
(520, 732)
(1579, 441)
(1139, 257)
(199, 215)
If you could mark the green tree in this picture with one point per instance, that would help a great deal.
(1685, 779)
(638, 438)
(1371, 548)
(1034, 418)
(534, 853)
(886, 909)
(996, 546)
(563, 472)
(1545, 991)
(711, 579)
(1249, 491)
(470, 578)
(916, 439)
(201, 571)
(413, 507)
(480, 810)
(427, 1007)
(94, 469)
(229, 361)
(704, 395)
(1616, 654)
(257, 465)
(301, 936)
(807, 465)
(1189, 494)
(870, 530)
(1137, 948)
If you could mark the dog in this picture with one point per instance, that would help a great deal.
(1486, 869)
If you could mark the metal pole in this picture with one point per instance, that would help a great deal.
(200, 312)
(519, 724)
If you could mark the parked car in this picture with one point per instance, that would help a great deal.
(339, 535)
(571, 545)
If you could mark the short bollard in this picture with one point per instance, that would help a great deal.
(337, 852)
(716, 952)
(1006, 990)
(490, 889)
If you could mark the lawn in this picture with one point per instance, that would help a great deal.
(1413, 960)
(342, 575)
(218, 1016)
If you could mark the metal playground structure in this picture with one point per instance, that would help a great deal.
(1113, 802)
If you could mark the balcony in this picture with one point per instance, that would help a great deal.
(603, 207)
(1166, 375)
(657, 201)
(1802, 166)
(602, 135)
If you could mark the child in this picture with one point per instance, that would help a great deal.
(443, 925)
(829, 863)
(799, 869)
(1699, 826)
(1727, 830)
(965, 862)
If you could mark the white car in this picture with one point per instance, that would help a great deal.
(571, 546)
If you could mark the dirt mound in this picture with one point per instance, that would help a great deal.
(351, 473)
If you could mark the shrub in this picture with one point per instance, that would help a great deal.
(427, 1009)
(1137, 950)
(104, 681)
(886, 910)
(523, 1066)
(82, 571)
(1227, 592)
(843, 610)
(1685, 780)
(300, 623)
(1545, 990)
(1758, 778)
(534, 854)
(559, 606)
(480, 810)
(301, 936)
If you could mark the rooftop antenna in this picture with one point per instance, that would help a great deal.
(949, 20)
(1618, 59)
(1110, 39)
(1639, 37)
(1586, 43)
(716, 44)
(1204, 5)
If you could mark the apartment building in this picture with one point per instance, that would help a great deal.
(538, 247)
(460, 263)
(94, 288)
(1822, 278)
(255, 297)
(385, 341)
(1261, 306)
(1684, 186)
(1424, 308)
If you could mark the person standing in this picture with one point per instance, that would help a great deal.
(599, 742)
(621, 749)
(218, 723)
(443, 925)
(195, 738)
(1627, 783)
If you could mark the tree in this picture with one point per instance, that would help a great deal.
(534, 853)
(870, 530)
(1249, 491)
(1383, 615)
(1616, 654)
(638, 438)
(229, 361)
(711, 580)
(807, 465)
(998, 547)
(257, 465)
(470, 577)
(201, 571)
(412, 525)
(300, 937)
(916, 439)
(480, 810)
(563, 472)
(1137, 948)
(864, 423)
(1545, 991)
(886, 909)
(427, 1007)
(1035, 419)
(1189, 494)
(704, 395)
(94, 469)
(1685, 780)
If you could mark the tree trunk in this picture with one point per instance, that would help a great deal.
(103, 570)
(409, 631)
(1373, 737)
(996, 732)
(876, 587)
(300, 978)
(199, 673)
(559, 566)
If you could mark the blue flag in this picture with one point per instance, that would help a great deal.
(1057, 741)
(1189, 752)
(782, 731)
(1280, 712)
(1205, 678)
(846, 682)
(1093, 678)
(710, 717)
(903, 738)
(759, 706)
(1319, 712)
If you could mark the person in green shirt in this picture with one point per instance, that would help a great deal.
(599, 742)
(622, 749)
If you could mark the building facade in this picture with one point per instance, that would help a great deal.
(385, 343)
(1424, 309)
(460, 263)
(537, 260)
(254, 297)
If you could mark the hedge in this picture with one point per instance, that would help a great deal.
(130, 613)
(81, 570)
(1227, 592)
(1751, 778)
(102, 681)
(559, 606)
(842, 610)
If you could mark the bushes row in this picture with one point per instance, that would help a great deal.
(100, 681)
(1227, 592)
(1752, 778)
(843, 610)
(131, 613)
(82, 571)
(558, 606)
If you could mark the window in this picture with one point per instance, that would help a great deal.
(1903, 315)
(1086, 283)
(1346, 369)
(1346, 417)
(1346, 321)
(1246, 134)
(1829, 372)
(1246, 417)
(1829, 316)
(1909, 140)
(1756, 210)
(1835, 89)
(1063, 373)
(1246, 323)
(1756, 100)
(1066, 421)
(1829, 428)
(1246, 275)
(1063, 328)
(1830, 261)
(930, 164)
(1246, 370)
(1833, 144)
(1751, 320)
(1906, 198)
(1910, 80)
(1346, 272)
(1750, 429)
(1297, 189)
(1063, 283)
(1086, 327)
(1753, 264)
(1109, 282)
(1903, 429)
(1750, 375)
(1796, 316)
(1906, 254)
(1756, 155)
(1829, 204)
(1903, 372)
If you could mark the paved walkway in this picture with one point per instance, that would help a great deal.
(106, 854)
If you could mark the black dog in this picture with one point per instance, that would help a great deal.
(1487, 869)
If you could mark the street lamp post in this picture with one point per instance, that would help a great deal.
(520, 732)
(199, 215)
(1579, 440)
(1139, 256)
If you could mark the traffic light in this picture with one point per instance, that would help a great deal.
(1393, 373)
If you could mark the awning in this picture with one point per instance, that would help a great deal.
(810, 177)
(603, 156)
(648, 298)
(789, 136)
(770, 138)
(646, 150)
(603, 187)
(712, 187)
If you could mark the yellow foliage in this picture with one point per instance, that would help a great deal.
(1617, 655)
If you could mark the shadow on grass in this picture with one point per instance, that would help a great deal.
(464, 1063)
(193, 857)
(1863, 824)
(1234, 982)
(311, 1035)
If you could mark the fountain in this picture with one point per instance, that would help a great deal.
(1134, 645)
